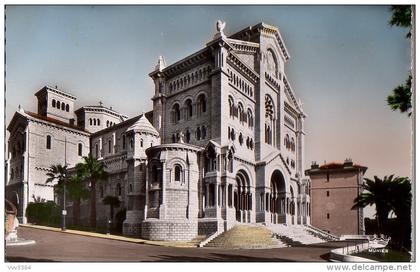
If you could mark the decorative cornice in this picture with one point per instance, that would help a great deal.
(235, 61)
(272, 82)
(290, 92)
(243, 46)
(185, 64)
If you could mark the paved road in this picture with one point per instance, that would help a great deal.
(62, 247)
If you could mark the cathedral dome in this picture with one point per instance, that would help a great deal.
(143, 125)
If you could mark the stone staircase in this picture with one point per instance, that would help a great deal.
(294, 235)
(246, 237)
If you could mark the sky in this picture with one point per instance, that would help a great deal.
(345, 61)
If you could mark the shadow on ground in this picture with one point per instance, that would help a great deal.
(218, 257)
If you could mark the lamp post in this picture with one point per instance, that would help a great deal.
(64, 211)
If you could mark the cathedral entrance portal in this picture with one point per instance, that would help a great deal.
(279, 202)
(243, 197)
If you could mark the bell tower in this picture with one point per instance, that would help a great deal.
(159, 98)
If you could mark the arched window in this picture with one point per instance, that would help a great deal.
(187, 136)
(58, 105)
(201, 102)
(177, 172)
(141, 142)
(198, 133)
(188, 108)
(99, 122)
(250, 118)
(232, 134)
(241, 138)
(90, 121)
(80, 149)
(176, 113)
(123, 141)
(131, 143)
(53, 103)
(67, 107)
(109, 146)
(231, 106)
(203, 132)
(269, 107)
(241, 112)
(118, 190)
(63, 106)
(154, 174)
(94, 121)
(107, 123)
(101, 192)
(48, 144)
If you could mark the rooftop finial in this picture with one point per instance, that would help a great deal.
(161, 64)
(220, 26)
(100, 103)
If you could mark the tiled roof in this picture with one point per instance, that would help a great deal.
(54, 121)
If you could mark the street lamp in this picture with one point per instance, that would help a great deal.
(64, 211)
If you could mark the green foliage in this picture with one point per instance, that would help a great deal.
(76, 188)
(92, 171)
(111, 200)
(401, 97)
(43, 213)
(57, 174)
(389, 194)
(401, 16)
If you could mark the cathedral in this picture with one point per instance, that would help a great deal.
(223, 145)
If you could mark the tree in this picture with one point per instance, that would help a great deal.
(92, 171)
(378, 192)
(57, 173)
(112, 201)
(77, 191)
(401, 206)
(401, 97)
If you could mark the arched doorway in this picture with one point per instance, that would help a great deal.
(243, 197)
(278, 204)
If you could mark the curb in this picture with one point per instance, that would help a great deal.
(109, 236)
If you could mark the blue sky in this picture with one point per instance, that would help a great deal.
(345, 60)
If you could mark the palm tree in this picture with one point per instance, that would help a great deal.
(401, 206)
(77, 191)
(112, 201)
(57, 173)
(378, 192)
(93, 171)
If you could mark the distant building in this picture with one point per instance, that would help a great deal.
(334, 186)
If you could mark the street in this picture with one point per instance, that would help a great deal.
(63, 247)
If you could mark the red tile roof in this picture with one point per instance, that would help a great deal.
(54, 121)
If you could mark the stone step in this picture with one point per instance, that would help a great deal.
(246, 236)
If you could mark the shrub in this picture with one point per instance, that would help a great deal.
(44, 213)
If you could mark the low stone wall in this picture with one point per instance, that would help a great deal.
(132, 229)
(344, 254)
(174, 230)
(207, 227)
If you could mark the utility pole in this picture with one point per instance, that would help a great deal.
(64, 211)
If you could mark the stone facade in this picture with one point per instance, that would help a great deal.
(334, 186)
(223, 144)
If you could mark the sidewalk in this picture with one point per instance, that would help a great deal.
(183, 244)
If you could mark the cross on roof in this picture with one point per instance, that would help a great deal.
(100, 103)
